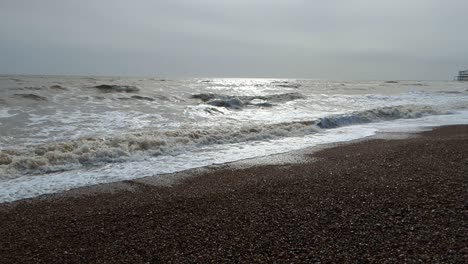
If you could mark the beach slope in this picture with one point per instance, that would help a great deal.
(379, 200)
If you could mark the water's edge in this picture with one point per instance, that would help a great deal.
(303, 155)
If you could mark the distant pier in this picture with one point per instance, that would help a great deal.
(462, 75)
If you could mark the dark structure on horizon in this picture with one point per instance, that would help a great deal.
(462, 75)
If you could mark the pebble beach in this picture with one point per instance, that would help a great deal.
(384, 201)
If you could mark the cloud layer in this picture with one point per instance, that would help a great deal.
(361, 39)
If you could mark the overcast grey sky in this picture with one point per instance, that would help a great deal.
(347, 39)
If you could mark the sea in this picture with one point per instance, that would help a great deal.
(64, 132)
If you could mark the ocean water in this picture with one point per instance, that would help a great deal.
(58, 133)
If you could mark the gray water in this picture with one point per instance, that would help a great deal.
(76, 131)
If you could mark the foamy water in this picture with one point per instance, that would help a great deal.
(59, 133)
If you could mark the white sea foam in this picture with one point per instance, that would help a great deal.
(31, 186)
(94, 151)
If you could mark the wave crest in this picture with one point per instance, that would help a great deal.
(376, 115)
(237, 102)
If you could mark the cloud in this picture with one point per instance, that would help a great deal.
(295, 38)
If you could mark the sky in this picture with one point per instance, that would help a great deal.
(333, 39)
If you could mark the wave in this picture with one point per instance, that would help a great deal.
(286, 84)
(237, 102)
(137, 97)
(450, 92)
(295, 86)
(145, 98)
(400, 83)
(27, 88)
(141, 98)
(228, 103)
(33, 97)
(58, 87)
(376, 115)
(109, 88)
(33, 88)
(97, 151)
(414, 84)
(37, 88)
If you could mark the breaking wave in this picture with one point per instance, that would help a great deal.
(376, 115)
(237, 102)
(96, 151)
